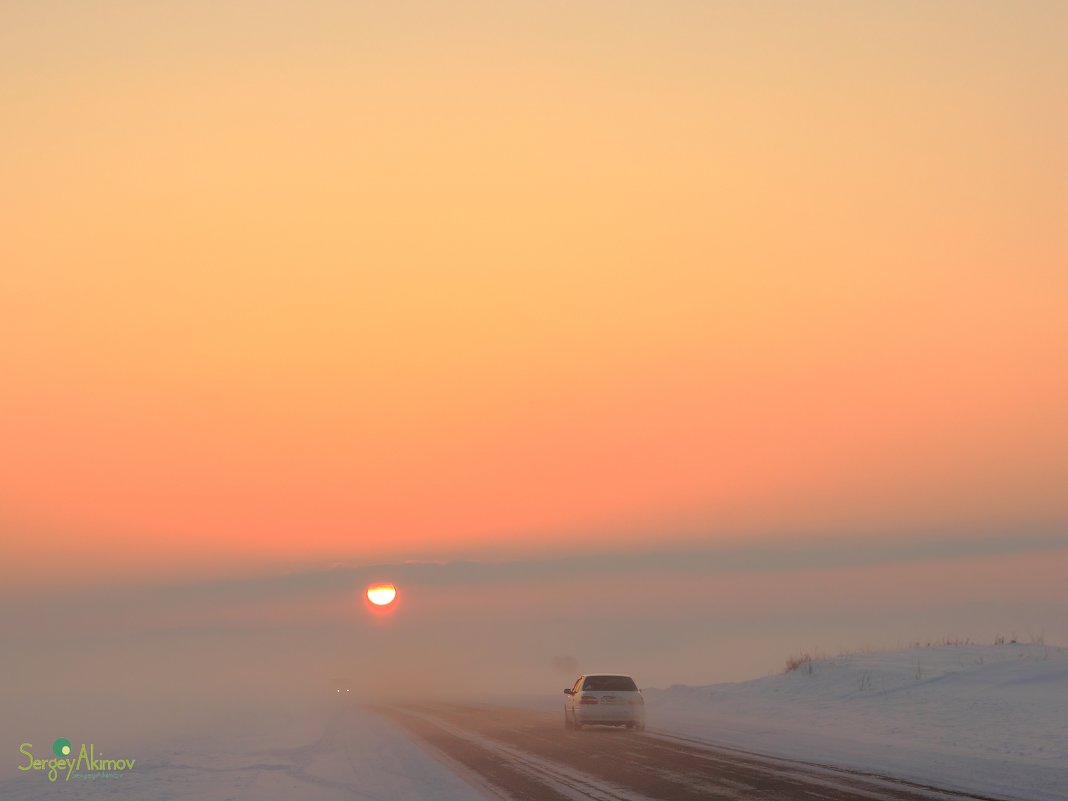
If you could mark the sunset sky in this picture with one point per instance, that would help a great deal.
(364, 281)
(740, 325)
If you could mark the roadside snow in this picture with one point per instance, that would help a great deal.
(322, 753)
(986, 719)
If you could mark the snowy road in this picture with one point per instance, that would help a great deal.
(528, 755)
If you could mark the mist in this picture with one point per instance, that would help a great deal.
(137, 663)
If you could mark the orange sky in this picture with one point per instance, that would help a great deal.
(332, 280)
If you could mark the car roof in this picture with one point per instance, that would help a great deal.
(621, 675)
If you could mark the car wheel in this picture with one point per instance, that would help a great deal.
(567, 721)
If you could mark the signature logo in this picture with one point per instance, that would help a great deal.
(86, 765)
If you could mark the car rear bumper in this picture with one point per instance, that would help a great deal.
(605, 714)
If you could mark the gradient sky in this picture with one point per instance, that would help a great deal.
(668, 338)
(299, 282)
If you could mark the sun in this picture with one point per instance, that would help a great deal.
(381, 594)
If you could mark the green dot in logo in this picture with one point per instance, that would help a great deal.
(61, 747)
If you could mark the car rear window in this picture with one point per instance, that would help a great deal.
(609, 684)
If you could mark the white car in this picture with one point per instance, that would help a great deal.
(606, 699)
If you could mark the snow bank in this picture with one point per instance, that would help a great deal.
(987, 719)
(315, 753)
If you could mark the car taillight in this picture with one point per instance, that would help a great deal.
(587, 699)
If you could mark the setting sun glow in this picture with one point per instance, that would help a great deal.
(381, 594)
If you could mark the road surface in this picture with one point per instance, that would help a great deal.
(526, 755)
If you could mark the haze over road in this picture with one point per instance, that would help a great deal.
(524, 754)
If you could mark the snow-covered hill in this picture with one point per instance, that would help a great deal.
(990, 719)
